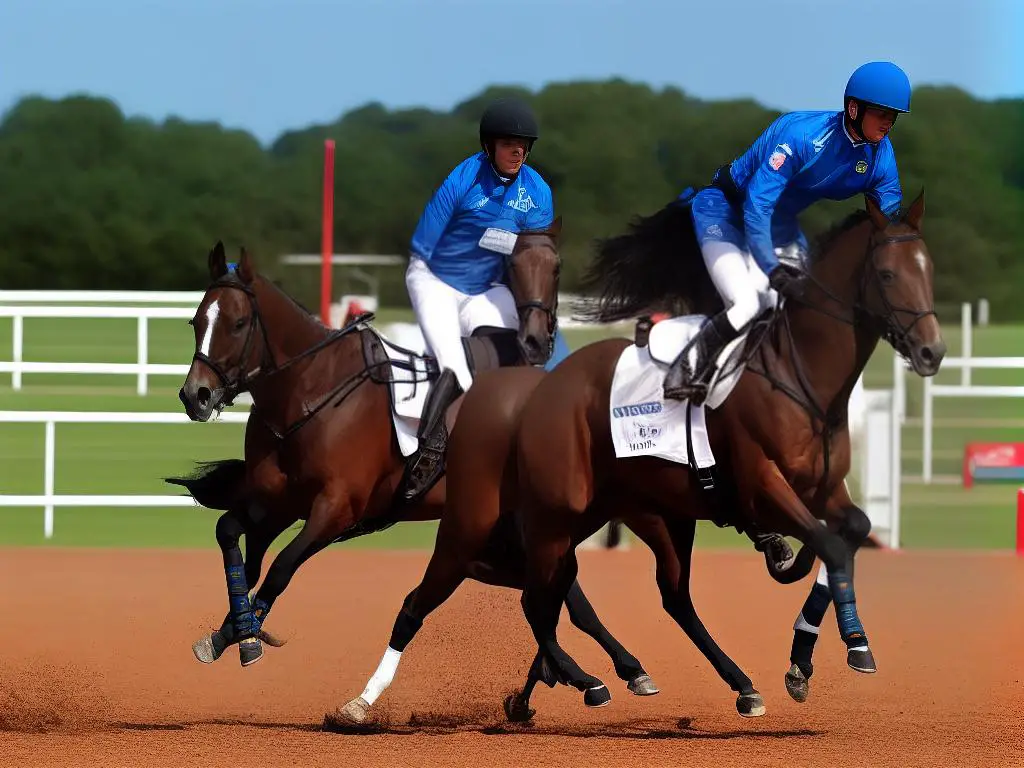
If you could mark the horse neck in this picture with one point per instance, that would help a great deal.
(832, 350)
(289, 329)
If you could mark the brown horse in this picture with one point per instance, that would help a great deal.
(780, 439)
(320, 445)
(481, 523)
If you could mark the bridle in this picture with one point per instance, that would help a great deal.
(550, 311)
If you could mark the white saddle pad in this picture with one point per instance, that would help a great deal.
(408, 394)
(643, 422)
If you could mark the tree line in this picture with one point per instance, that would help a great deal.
(92, 198)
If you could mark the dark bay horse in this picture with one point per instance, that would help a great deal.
(320, 445)
(780, 439)
(481, 523)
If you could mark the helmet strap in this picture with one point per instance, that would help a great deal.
(858, 124)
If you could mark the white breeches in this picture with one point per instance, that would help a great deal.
(445, 315)
(740, 282)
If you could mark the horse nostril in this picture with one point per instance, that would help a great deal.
(927, 355)
(203, 395)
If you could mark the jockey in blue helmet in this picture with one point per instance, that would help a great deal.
(751, 207)
(455, 271)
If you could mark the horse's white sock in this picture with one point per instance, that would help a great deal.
(383, 676)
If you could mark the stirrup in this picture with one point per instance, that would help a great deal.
(424, 469)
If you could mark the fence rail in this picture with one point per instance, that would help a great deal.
(50, 500)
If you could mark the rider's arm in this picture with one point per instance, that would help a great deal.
(763, 191)
(437, 214)
(886, 190)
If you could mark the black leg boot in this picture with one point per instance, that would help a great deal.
(682, 383)
(426, 466)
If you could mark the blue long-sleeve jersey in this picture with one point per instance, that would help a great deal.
(471, 200)
(803, 157)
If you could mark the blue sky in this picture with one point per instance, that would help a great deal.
(271, 66)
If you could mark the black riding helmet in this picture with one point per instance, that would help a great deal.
(510, 117)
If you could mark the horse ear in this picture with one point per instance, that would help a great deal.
(246, 268)
(217, 262)
(878, 217)
(556, 227)
(916, 213)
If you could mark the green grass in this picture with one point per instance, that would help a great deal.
(130, 459)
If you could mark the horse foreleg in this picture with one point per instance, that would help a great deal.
(853, 528)
(834, 553)
(331, 514)
(458, 542)
(551, 571)
(239, 625)
(258, 537)
(672, 545)
(627, 666)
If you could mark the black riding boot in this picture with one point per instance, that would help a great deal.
(682, 383)
(426, 466)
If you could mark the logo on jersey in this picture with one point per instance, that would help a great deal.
(481, 202)
(714, 231)
(778, 157)
(522, 203)
(861, 166)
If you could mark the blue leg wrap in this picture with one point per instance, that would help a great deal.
(850, 627)
(238, 602)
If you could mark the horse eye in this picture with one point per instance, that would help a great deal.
(240, 323)
(887, 276)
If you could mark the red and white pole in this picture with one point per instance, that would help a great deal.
(1020, 522)
(327, 233)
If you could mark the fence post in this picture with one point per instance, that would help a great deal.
(965, 343)
(143, 357)
(48, 462)
(17, 343)
(926, 443)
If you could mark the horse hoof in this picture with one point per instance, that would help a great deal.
(750, 704)
(642, 685)
(356, 712)
(797, 684)
(861, 660)
(597, 697)
(209, 647)
(250, 651)
(517, 710)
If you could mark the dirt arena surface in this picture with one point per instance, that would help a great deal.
(96, 667)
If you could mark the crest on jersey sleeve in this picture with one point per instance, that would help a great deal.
(779, 155)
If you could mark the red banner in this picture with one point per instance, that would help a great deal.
(996, 461)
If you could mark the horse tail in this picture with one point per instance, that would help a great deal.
(214, 484)
(655, 266)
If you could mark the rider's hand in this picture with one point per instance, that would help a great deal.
(786, 279)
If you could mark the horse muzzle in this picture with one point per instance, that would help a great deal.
(925, 359)
(200, 402)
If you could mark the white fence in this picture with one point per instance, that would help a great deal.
(963, 389)
(142, 369)
(49, 499)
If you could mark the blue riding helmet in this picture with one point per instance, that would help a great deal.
(880, 84)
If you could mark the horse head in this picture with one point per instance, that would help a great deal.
(900, 297)
(533, 268)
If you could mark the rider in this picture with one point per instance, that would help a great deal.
(458, 258)
(751, 206)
